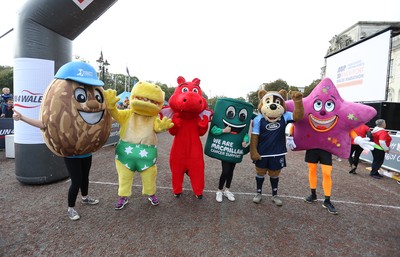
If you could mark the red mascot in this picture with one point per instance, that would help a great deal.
(188, 109)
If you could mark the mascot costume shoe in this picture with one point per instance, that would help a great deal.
(328, 128)
(136, 150)
(188, 109)
(228, 139)
(268, 138)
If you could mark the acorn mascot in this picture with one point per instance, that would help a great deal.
(228, 139)
(136, 150)
(326, 129)
(268, 138)
(74, 122)
(188, 109)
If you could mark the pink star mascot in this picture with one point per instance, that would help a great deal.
(326, 129)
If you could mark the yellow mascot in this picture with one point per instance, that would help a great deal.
(136, 150)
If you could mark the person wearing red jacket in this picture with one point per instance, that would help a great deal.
(356, 150)
(382, 141)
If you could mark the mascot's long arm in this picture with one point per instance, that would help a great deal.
(160, 125)
(254, 155)
(203, 125)
(119, 115)
(298, 112)
(365, 142)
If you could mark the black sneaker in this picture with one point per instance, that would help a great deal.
(330, 207)
(310, 199)
(353, 171)
(377, 176)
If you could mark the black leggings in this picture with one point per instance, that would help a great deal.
(357, 150)
(78, 169)
(226, 175)
(378, 159)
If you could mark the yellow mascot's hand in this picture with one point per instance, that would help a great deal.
(111, 98)
(162, 125)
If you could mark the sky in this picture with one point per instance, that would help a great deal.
(232, 46)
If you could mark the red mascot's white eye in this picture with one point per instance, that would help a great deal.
(195, 90)
(185, 90)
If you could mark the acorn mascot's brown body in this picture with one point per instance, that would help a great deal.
(77, 123)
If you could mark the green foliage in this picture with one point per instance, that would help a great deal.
(293, 88)
(308, 89)
(252, 98)
(276, 85)
(6, 78)
(167, 90)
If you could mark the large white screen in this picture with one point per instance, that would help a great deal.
(360, 72)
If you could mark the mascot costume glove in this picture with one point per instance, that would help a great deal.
(111, 98)
(364, 143)
(290, 143)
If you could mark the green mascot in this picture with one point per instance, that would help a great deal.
(228, 139)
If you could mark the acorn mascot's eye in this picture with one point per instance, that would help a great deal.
(80, 95)
(99, 96)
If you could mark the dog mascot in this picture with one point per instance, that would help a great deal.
(190, 116)
(268, 138)
(326, 129)
(136, 150)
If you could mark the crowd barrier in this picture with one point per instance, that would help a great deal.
(6, 128)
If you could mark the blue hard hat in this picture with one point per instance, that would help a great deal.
(80, 72)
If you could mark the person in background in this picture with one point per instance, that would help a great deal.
(120, 106)
(6, 93)
(356, 150)
(382, 141)
(126, 102)
(7, 109)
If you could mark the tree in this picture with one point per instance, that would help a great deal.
(252, 98)
(308, 89)
(276, 85)
(6, 78)
(167, 90)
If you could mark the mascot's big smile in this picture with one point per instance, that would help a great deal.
(235, 129)
(322, 125)
(91, 117)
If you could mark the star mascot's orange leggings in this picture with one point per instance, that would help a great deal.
(326, 177)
